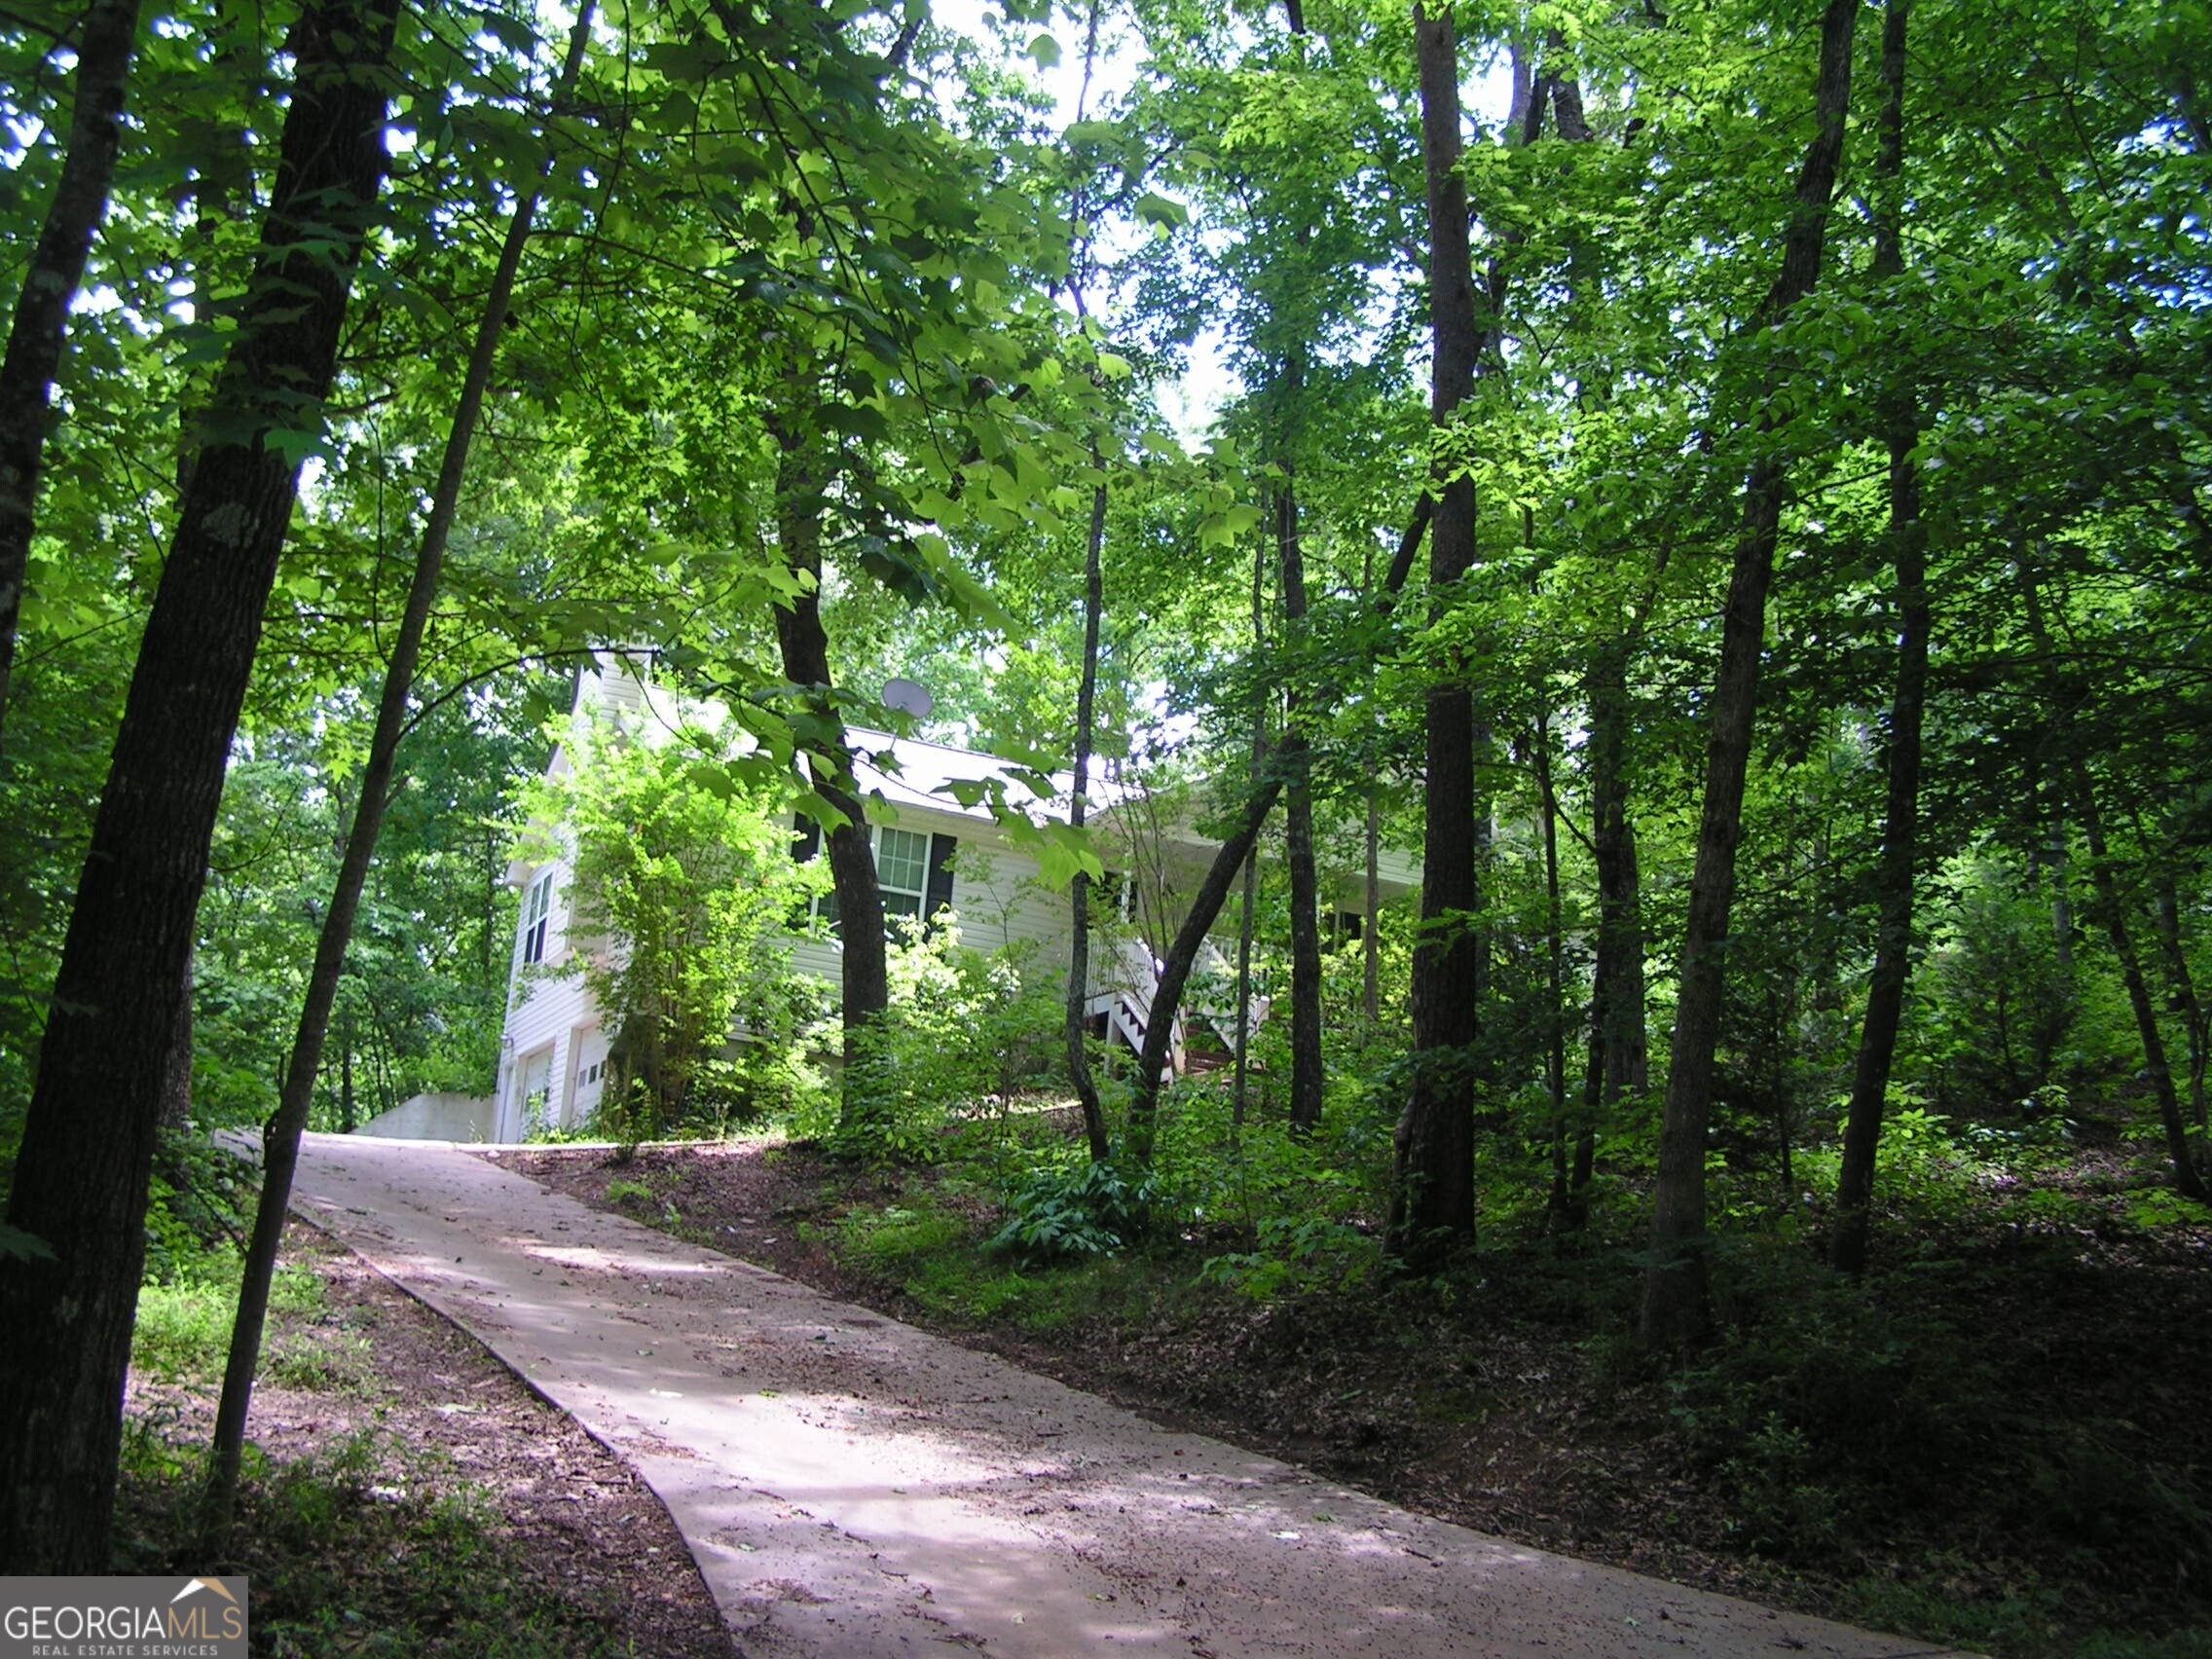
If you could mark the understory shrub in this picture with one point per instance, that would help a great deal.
(963, 1028)
(1091, 1209)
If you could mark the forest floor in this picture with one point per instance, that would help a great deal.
(405, 1494)
(2000, 1443)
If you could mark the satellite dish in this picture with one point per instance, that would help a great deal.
(908, 698)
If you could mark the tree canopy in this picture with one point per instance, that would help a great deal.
(1723, 482)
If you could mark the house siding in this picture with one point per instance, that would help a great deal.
(998, 900)
(553, 1029)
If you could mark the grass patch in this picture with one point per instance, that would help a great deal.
(373, 1549)
(183, 1333)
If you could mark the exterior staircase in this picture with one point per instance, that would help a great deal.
(1125, 982)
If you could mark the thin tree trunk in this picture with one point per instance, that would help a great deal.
(1371, 941)
(1306, 1062)
(1432, 1189)
(1674, 1308)
(281, 1137)
(105, 37)
(1618, 1001)
(1893, 948)
(1176, 974)
(1086, 694)
(88, 1142)
(2183, 985)
(346, 1124)
(1242, 1085)
(1555, 978)
(2189, 1181)
(2062, 901)
(1085, 701)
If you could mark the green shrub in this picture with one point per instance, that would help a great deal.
(1295, 1257)
(183, 1329)
(963, 1027)
(1093, 1209)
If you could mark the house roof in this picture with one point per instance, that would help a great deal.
(911, 772)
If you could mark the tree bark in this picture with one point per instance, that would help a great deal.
(2182, 986)
(88, 1142)
(1371, 939)
(2189, 1180)
(1168, 995)
(280, 1136)
(1432, 1189)
(1674, 1308)
(805, 647)
(105, 38)
(176, 1113)
(1893, 878)
(1555, 976)
(1618, 1010)
(1240, 1087)
(1079, 954)
(1306, 1062)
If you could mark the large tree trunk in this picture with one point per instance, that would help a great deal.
(1892, 946)
(280, 1136)
(1079, 954)
(105, 37)
(1675, 1309)
(1432, 1193)
(88, 1142)
(1297, 760)
(1176, 974)
(866, 980)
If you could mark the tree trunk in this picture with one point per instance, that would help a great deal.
(1675, 1309)
(2189, 1181)
(1168, 995)
(2055, 860)
(175, 1115)
(1893, 946)
(866, 980)
(1240, 1087)
(105, 37)
(1306, 1064)
(280, 1136)
(346, 1124)
(1432, 1189)
(1086, 700)
(87, 1142)
(1619, 975)
(2183, 985)
(1371, 938)
(1555, 978)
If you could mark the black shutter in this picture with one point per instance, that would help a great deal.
(939, 894)
(806, 846)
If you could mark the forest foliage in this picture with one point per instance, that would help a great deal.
(1725, 481)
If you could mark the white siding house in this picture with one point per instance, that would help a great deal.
(931, 852)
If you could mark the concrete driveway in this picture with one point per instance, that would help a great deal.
(852, 1486)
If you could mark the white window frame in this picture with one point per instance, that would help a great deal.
(537, 918)
(900, 903)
